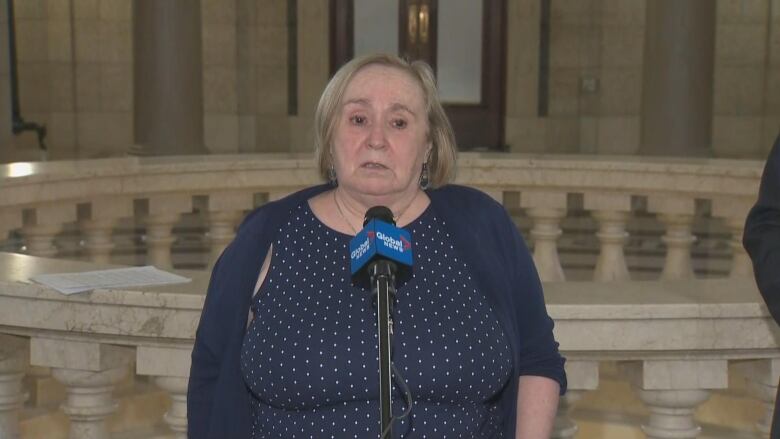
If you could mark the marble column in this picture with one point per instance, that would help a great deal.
(611, 211)
(89, 371)
(676, 214)
(672, 390)
(546, 210)
(676, 117)
(41, 225)
(14, 361)
(164, 212)
(225, 211)
(170, 367)
(168, 77)
(762, 377)
(98, 224)
(734, 212)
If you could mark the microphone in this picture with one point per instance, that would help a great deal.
(380, 240)
(379, 255)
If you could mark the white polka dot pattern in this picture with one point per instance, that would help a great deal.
(310, 356)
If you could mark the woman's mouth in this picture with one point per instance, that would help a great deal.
(373, 165)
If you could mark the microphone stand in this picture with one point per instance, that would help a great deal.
(382, 274)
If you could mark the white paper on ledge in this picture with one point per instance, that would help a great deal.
(70, 283)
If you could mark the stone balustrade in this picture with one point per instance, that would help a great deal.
(90, 198)
(674, 337)
(673, 340)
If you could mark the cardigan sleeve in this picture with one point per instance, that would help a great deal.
(538, 353)
(762, 233)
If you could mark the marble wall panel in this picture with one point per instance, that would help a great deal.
(220, 133)
(737, 136)
(86, 9)
(219, 44)
(620, 92)
(116, 41)
(618, 135)
(218, 11)
(526, 134)
(61, 86)
(31, 39)
(88, 86)
(740, 44)
(115, 10)
(739, 91)
(564, 92)
(742, 11)
(58, 9)
(271, 133)
(33, 93)
(271, 90)
(87, 40)
(623, 12)
(116, 86)
(112, 130)
(25, 9)
(622, 46)
(59, 41)
(219, 89)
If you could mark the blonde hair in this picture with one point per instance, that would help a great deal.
(441, 161)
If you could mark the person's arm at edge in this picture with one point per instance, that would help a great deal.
(537, 404)
(762, 233)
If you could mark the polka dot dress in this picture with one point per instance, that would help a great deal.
(310, 356)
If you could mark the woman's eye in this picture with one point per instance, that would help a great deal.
(358, 120)
(399, 123)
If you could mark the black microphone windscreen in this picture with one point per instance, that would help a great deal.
(381, 213)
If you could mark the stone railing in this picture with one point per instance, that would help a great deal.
(673, 337)
(90, 199)
(673, 340)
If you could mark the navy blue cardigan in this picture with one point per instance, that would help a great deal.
(482, 233)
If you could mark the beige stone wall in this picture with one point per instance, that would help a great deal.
(592, 42)
(76, 75)
(220, 74)
(746, 104)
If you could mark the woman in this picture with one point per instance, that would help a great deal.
(472, 340)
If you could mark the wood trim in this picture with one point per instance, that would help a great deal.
(342, 46)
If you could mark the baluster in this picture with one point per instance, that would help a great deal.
(170, 367)
(582, 376)
(164, 213)
(762, 377)
(100, 218)
(676, 214)
(89, 372)
(10, 219)
(42, 223)
(14, 359)
(225, 211)
(734, 212)
(672, 390)
(611, 211)
(546, 210)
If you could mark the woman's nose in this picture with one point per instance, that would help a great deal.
(376, 137)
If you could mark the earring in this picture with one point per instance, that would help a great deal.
(332, 176)
(424, 177)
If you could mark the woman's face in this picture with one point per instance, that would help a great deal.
(381, 137)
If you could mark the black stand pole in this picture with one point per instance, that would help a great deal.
(382, 275)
